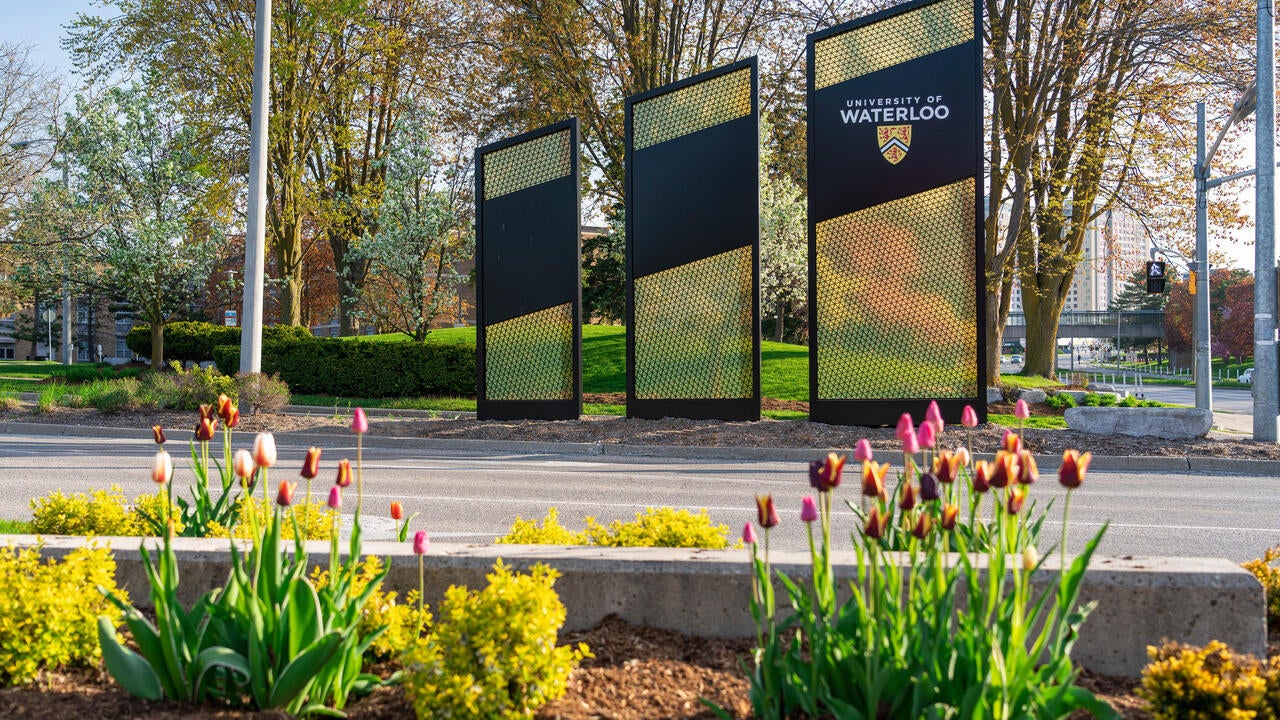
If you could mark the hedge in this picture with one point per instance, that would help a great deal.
(352, 368)
(195, 341)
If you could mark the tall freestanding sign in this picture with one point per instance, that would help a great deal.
(895, 232)
(528, 286)
(693, 248)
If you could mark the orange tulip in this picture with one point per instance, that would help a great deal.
(982, 476)
(224, 408)
(907, 500)
(922, 526)
(875, 525)
(873, 478)
(950, 513)
(284, 497)
(1004, 469)
(1017, 496)
(397, 510)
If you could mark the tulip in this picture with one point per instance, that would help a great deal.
(208, 411)
(243, 464)
(1030, 558)
(910, 444)
(969, 417)
(962, 454)
(906, 428)
(1017, 496)
(1012, 442)
(824, 476)
(1021, 410)
(808, 509)
(875, 524)
(873, 478)
(929, 487)
(264, 450)
(344, 473)
(766, 512)
(207, 428)
(224, 408)
(749, 534)
(397, 510)
(359, 422)
(233, 417)
(284, 497)
(922, 527)
(335, 497)
(157, 433)
(907, 500)
(927, 436)
(862, 451)
(1074, 465)
(162, 468)
(420, 542)
(981, 476)
(311, 463)
(946, 466)
(950, 513)
(1004, 470)
(1027, 471)
(933, 416)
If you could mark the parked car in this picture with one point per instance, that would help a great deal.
(1246, 377)
(1016, 359)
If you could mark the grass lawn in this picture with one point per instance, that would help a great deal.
(1050, 422)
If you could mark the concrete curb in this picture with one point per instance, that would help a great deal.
(1141, 601)
(326, 437)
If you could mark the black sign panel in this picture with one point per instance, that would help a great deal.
(1155, 277)
(528, 287)
(693, 248)
(895, 227)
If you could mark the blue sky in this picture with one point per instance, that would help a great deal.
(39, 24)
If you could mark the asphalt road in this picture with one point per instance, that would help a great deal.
(471, 498)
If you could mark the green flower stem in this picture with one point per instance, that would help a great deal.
(359, 473)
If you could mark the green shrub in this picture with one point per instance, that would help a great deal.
(1264, 568)
(346, 368)
(88, 373)
(493, 652)
(50, 395)
(116, 395)
(262, 392)
(1209, 683)
(99, 512)
(199, 386)
(49, 611)
(655, 527)
(402, 626)
(315, 520)
(1061, 401)
(195, 341)
(550, 532)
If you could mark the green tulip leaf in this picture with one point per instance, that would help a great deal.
(214, 658)
(127, 667)
(299, 673)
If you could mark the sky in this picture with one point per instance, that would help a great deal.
(39, 24)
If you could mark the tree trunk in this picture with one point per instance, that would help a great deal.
(289, 264)
(1042, 332)
(997, 316)
(348, 321)
(780, 313)
(157, 345)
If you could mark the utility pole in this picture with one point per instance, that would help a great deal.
(1266, 380)
(255, 227)
(1200, 303)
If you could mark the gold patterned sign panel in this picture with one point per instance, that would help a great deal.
(690, 109)
(896, 40)
(531, 357)
(526, 164)
(694, 330)
(896, 305)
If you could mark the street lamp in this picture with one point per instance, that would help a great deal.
(67, 349)
(49, 316)
(255, 230)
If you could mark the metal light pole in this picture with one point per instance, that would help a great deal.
(1266, 382)
(255, 230)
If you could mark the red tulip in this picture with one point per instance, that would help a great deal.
(1017, 496)
(157, 433)
(1011, 442)
(922, 527)
(207, 428)
(907, 499)
(284, 497)
(1074, 466)
(947, 466)
(873, 478)
(233, 417)
(208, 411)
(950, 513)
(766, 512)
(344, 473)
(824, 476)
(1004, 470)
(397, 510)
(875, 525)
(1027, 471)
(311, 463)
(225, 406)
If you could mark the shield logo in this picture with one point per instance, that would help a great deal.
(895, 141)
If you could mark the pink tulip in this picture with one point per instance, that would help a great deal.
(905, 427)
(420, 542)
(1021, 410)
(933, 416)
(808, 509)
(969, 417)
(926, 435)
(749, 534)
(335, 497)
(862, 451)
(910, 444)
(359, 422)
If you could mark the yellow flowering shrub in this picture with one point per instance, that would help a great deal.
(153, 506)
(655, 527)
(550, 532)
(1209, 683)
(404, 625)
(315, 520)
(1264, 568)
(98, 512)
(493, 652)
(49, 610)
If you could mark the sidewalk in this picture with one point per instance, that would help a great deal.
(1233, 423)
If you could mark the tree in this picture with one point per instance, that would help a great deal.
(784, 248)
(1235, 327)
(424, 228)
(1230, 314)
(604, 271)
(139, 173)
(1133, 294)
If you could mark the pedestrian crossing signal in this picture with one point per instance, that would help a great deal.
(1155, 276)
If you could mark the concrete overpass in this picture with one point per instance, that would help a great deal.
(1128, 324)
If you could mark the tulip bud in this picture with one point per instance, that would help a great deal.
(981, 476)
(875, 525)
(766, 512)
(1074, 465)
(206, 429)
(962, 454)
(208, 412)
(397, 510)
(311, 463)
(824, 476)
(950, 513)
(420, 542)
(335, 497)
(749, 534)
(946, 466)
(264, 450)
(1017, 496)
(224, 408)
(1021, 410)
(1030, 558)
(233, 417)
(243, 464)
(969, 417)
(344, 473)
(359, 423)
(910, 444)
(1011, 442)
(873, 478)
(157, 433)
(929, 487)
(1027, 471)
(808, 509)
(927, 436)
(907, 499)
(162, 468)
(905, 428)
(933, 416)
(1004, 470)
(862, 451)
(922, 526)
(284, 497)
